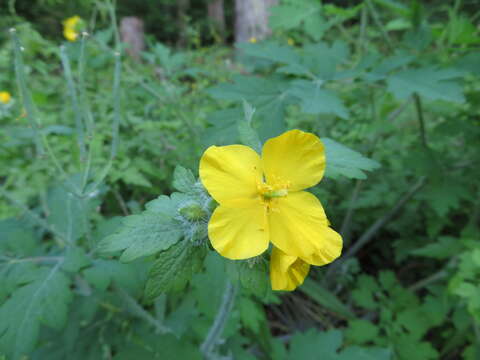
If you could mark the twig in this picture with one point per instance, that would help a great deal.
(376, 20)
(120, 200)
(377, 225)
(418, 107)
(347, 221)
(216, 330)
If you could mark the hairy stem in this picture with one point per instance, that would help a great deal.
(216, 330)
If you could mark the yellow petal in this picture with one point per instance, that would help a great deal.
(231, 173)
(296, 157)
(5, 97)
(70, 34)
(239, 233)
(299, 227)
(286, 272)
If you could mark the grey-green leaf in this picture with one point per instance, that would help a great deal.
(142, 235)
(44, 300)
(183, 179)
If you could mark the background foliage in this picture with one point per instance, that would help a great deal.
(103, 225)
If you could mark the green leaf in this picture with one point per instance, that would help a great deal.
(251, 314)
(342, 161)
(248, 136)
(359, 353)
(268, 96)
(128, 276)
(253, 275)
(445, 248)
(361, 331)
(309, 345)
(428, 82)
(154, 230)
(313, 345)
(223, 128)
(75, 259)
(183, 179)
(316, 100)
(174, 267)
(292, 14)
(17, 237)
(43, 301)
(325, 298)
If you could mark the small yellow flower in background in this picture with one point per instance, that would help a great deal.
(253, 40)
(290, 41)
(5, 97)
(262, 200)
(70, 28)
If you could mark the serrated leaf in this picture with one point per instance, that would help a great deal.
(344, 161)
(316, 100)
(154, 230)
(248, 136)
(173, 268)
(43, 301)
(290, 15)
(428, 82)
(251, 314)
(268, 96)
(183, 179)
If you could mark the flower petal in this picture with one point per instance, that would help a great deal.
(231, 173)
(296, 157)
(299, 227)
(239, 233)
(286, 272)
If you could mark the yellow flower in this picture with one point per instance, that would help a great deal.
(290, 42)
(5, 97)
(70, 27)
(287, 272)
(261, 200)
(253, 40)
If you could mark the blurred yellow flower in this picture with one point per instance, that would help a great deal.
(253, 40)
(290, 41)
(5, 97)
(70, 26)
(261, 201)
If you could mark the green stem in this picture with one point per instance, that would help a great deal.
(208, 346)
(74, 98)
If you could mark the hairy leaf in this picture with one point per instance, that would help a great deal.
(173, 268)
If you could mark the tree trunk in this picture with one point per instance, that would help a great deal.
(132, 33)
(216, 13)
(251, 19)
(182, 22)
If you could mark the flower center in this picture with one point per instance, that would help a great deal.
(276, 189)
(275, 193)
